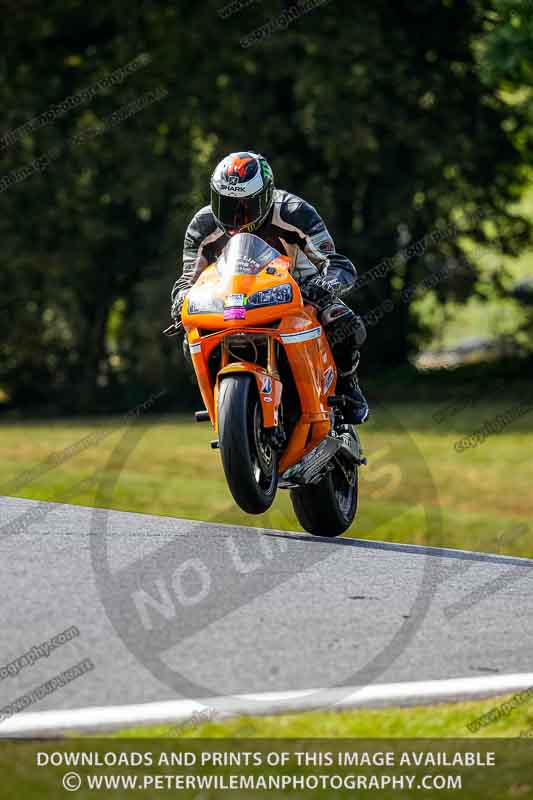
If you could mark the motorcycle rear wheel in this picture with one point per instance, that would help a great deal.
(327, 508)
(250, 463)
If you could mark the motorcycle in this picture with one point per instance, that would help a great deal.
(267, 377)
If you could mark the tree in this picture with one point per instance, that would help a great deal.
(378, 115)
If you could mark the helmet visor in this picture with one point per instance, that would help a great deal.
(237, 212)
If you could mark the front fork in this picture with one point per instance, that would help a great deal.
(269, 386)
(272, 356)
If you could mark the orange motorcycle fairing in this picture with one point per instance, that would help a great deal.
(315, 375)
(291, 327)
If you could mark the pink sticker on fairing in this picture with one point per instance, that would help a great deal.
(234, 313)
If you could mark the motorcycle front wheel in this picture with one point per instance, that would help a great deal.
(250, 463)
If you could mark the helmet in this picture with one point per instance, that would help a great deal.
(242, 192)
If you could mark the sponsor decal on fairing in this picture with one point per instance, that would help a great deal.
(234, 313)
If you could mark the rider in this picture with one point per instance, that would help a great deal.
(243, 199)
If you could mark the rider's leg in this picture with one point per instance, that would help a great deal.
(346, 333)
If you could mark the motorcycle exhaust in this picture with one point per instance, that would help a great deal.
(312, 467)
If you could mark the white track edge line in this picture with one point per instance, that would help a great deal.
(179, 712)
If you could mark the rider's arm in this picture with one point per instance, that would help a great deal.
(317, 244)
(201, 232)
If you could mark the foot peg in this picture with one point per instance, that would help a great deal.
(202, 416)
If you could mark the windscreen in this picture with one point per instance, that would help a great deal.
(245, 254)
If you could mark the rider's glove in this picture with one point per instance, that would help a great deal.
(319, 291)
(177, 305)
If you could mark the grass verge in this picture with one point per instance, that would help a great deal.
(448, 720)
(416, 489)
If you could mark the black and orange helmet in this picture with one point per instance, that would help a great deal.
(242, 192)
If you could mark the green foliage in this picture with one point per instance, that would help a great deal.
(378, 115)
(508, 47)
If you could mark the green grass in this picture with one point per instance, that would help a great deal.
(435, 721)
(19, 776)
(416, 488)
(512, 776)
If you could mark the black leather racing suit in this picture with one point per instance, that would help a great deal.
(295, 229)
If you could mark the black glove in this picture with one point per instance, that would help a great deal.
(319, 291)
(177, 305)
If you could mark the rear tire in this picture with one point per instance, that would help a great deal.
(250, 464)
(327, 508)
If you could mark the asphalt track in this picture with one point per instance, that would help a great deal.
(237, 610)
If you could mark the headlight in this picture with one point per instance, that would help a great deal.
(205, 303)
(271, 297)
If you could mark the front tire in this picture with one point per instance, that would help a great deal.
(250, 463)
(327, 508)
